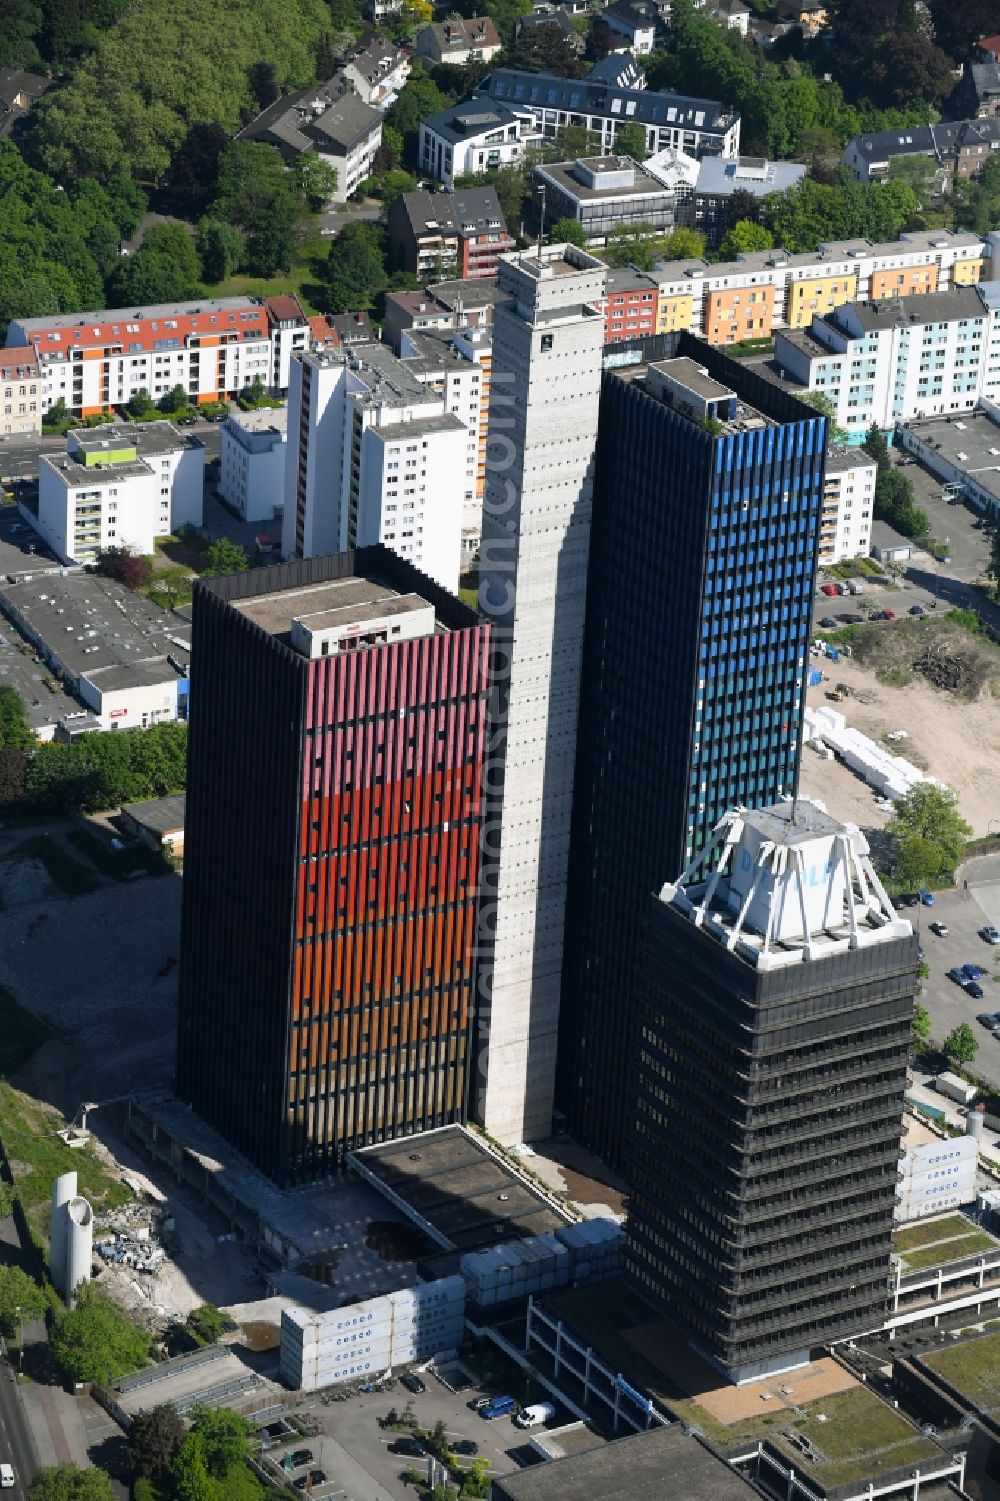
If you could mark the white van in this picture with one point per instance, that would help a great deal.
(6, 1478)
(539, 1412)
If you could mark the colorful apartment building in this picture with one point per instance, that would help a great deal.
(213, 348)
(630, 305)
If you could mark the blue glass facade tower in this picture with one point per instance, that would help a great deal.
(707, 502)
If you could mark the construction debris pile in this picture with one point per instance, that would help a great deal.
(137, 1237)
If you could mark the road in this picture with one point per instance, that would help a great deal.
(15, 1442)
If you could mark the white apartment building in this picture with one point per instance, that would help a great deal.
(848, 503)
(473, 138)
(119, 486)
(548, 335)
(252, 462)
(94, 361)
(373, 455)
(886, 362)
(21, 398)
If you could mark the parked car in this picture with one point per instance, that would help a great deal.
(852, 619)
(973, 971)
(956, 975)
(828, 623)
(940, 928)
(831, 589)
(412, 1382)
(990, 934)
(315, 1477)
(926, 897)
(466, 1447)
(987, 1019)
(886, 614)
(917, 610)
(411, 1447)
(478, 1403)
(6, 1478)
(498, 1407)
(299, 1458)
(974, 989)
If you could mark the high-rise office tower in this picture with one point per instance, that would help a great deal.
(772, 1034)
(377, 454)
(331, 859)
(703, 559)
(547, 343)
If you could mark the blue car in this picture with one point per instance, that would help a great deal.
(959, 977)
(973, 971)
(926, 897)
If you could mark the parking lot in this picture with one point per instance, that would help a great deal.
(965, 911)
(352, 1449)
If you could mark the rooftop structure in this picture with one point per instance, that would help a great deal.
(459, 40)
(340, 127)
(605, 193)
(962, 450)
(956, 146)
(630, 1469)
(719, 179)
(473, 137)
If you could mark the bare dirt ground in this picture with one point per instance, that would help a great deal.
(956, 742)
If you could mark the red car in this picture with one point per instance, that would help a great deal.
(888, 614)
(830, 589)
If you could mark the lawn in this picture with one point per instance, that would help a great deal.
(306, 280)
(952, 1250)
(20, 1033)
(973, 1366)
(860, 1438)
(912, 1237)
(36, 1156)
(67, 874)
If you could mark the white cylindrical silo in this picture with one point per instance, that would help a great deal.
(63, 1190)
(79, 1246)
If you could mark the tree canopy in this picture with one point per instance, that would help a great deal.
(104, 771)
(95, 1341)
(15, 731)
(19, 1291)
(162, 68)
(930, 814)
(961, 1045)
(68, 1482)
(154, 1440)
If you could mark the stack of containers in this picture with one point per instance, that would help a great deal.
(937, 1176)
(427, 1319)
(588, 1252)
(320, 1349)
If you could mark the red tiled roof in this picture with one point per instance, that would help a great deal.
(320, 331)
(22, 358)
(284, 306)
(141, 336)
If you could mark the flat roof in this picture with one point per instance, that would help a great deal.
(840, 460)
(91, 623)
(73, 472)
(630, 1469)
(421, 427)
(145, 437)
(643, 184)
(689, 373)
(459, 1187)
(974, 435)
(936, 1242)
(971, 1366)
(347, 598)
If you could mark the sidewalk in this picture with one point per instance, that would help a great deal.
(57, 1427)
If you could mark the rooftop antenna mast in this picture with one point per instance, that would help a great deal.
(541, 223)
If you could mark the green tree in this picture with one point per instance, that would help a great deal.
(822, 403)
(206, 1323)
(18, 1290)
(15, 731)
(104, 771)
(95, 1341)
(225, 557)
(222, 1436)
(14, 766)
(192, 1482)
(994, 563)
(418, 98)
(222, 248)
(878, 449)
(175, 400)
(930, 813)
(8, 1198)
(271, 239)
(568, 230)
(154, 1441)
(636, 245)
(357, 270)
(961, 1045)
(921, 1023)
(68, 1482)
(165, 268)
(918, 860)
(684, 245)
(477, 1478)
(630, 140)
(743, 237)
(315, 180)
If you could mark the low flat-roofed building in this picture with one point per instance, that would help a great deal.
(663, 1462)
(158, 822)
(456, 1189)
(962, 451)
(123, 657)
(252, 462)
(605, 193)
(888, 545)
(719, 179)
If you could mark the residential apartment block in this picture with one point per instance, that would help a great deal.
(440, 359)
(884, 362)
(119, 486)
(451, 304)
(22, 399)
(719, 179)
(958, 148)
(461, 234)
(332, 846)
(213, 348)
(376, 455)
(698, 127)
(630, 305)
(338, 126)
(848, 503)
(474, 138)
(772, 289)
(252, 462)
(377, 73)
